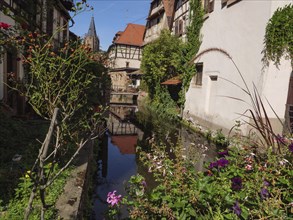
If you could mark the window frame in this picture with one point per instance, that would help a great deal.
(199, 74)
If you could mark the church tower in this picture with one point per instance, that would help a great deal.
(91, 39)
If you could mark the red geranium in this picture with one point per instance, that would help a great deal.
(4, 25)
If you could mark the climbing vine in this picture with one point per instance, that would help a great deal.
(192, 45)
(161, 61)
(168, 56)
(279, 36)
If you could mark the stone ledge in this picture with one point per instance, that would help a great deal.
(70, 202)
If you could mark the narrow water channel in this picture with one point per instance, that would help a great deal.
(117, 160)
(115, 169)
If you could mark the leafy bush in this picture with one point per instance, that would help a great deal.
(240, 184)
(17, 205)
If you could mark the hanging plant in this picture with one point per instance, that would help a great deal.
(279, 36)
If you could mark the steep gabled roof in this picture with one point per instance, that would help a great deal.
(132, 35)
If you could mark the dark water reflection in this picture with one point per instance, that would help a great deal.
(115, 169)
(117, 161)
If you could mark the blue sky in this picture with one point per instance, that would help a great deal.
(111, 17)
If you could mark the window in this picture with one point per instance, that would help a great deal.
(230, 2)
(198, 77)
(127, 64)
(208, 6)
(158, 20)
(178, 27)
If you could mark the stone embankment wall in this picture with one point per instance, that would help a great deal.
(72, 201)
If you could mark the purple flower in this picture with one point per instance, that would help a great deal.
(213, 165)
(112, 199)
(223, 153)
(219, 163)
(222, 162)
(291, 147)
(280, 139)
(266, 183)
(144, 184)
(264, 193)
(236, 183)
(236, 208)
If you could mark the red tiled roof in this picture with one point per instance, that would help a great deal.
(132, 35)
(172, 81)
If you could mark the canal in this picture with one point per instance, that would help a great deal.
(117, 160)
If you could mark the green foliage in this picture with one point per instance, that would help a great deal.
(17, 205)
(159, 115)
(161, 61)
(191, 47)
(168, 56)
(279, 36)
(238, 185)
(217, 138)
(26, 145)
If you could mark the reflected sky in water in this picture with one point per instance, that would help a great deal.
(120, 167)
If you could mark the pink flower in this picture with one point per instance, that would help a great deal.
(112, 199)
(248, 167)
(4, 25)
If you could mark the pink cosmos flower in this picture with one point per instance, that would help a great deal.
(5, 26)
(112, 199)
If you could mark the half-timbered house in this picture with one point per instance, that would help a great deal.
(125, 55)
(34, 15)
(160, 17)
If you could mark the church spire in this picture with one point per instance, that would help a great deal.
(92, 29)
(91, 38)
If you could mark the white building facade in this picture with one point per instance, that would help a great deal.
(238, 28)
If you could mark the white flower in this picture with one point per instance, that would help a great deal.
(283, 162)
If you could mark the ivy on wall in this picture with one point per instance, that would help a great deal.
(192, 45)
(278, 39)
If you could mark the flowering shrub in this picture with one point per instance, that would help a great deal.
(4, 26)
(112, 199)
(227, 189)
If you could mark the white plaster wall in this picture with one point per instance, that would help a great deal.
(239, 30)
(276, 81)
(154, 32)
(275, 88)
(121, 63)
